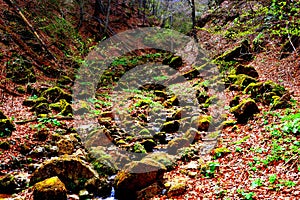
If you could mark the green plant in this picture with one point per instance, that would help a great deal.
(257, 183)
(272, 178)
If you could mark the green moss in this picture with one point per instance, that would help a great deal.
(219, 152)
(6, 127)
(34, 102)
(245, 109)
(202, 122)
(240, 81)
(139, 148)
(55, 94)
(228, 123)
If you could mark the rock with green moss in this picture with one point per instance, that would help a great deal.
(148, 144)
(240, 81)
(55, 94)
(166, 159)
(187, 153)
(72, 171)
(177, 187)
(42, 108)
(170, 127)
(202, 122)
(248, 70)
(63, 107)
(244, 110)
(235, 101)
(160, 137)
(176, 144)
(173, 101)
(264, 91)
(103, 163)
(228, 123)
(139, 148)
(193, 135)
(280, 102)
(34, 101)
(51, 188)
(137, 175)
(8, 183)
(240, 51)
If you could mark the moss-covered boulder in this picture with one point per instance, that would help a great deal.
(49, 189)
(34, 101)
(193, 135)
(42, 108)
(63, 107)
(21, 71)
(166, 159)
(202, 122)
(248, 70)
(136, 176)
(170, 127)
(65, 146)
(239, 82)
(266, 93)
(241, 51)
(72, 171)
(148, 144)
(244, 110)
(173, 101)
(98, 137)
(55, 94)
(177, 187)
(8, 183)
(4, 145)
(103, 163)
(6, 125)
(176, 144)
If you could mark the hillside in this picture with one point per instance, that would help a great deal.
(107, 100)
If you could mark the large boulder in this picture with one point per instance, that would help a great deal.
(244, 110)
(55, 94)
(73, 172)
(21, 71)
(136, 176)
(51, 188)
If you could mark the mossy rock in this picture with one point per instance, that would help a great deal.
(69, 169)
(34, 102)
(173, 101)
(42, 108)
(55, 94)
(264, 92)
(21, 71)
(139, 148)
(278, 103)
(248, 70)
(160, 137)
(194, 73)
(177, 188)
(176, 144)
(8, 183)
(170, 127)
(240, 81)
(103, 163)
(63, 107)
(235, 101)
(187, 153)
(193, 135)
(137, 175)
(167, 160)
(202, 122)
(173, 61)
(244, 110)
(83, 108)
(6, 127)
(240, 51)
(202, 96)
(148, 144)
(51, 188)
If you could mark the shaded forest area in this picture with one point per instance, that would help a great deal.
(223, 126)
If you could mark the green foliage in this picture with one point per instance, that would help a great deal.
(272, 178)
(246, 195)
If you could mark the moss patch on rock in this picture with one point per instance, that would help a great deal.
(244, 110)
(51, 188)
(55, 94)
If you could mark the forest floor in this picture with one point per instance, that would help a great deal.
(259, 159)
